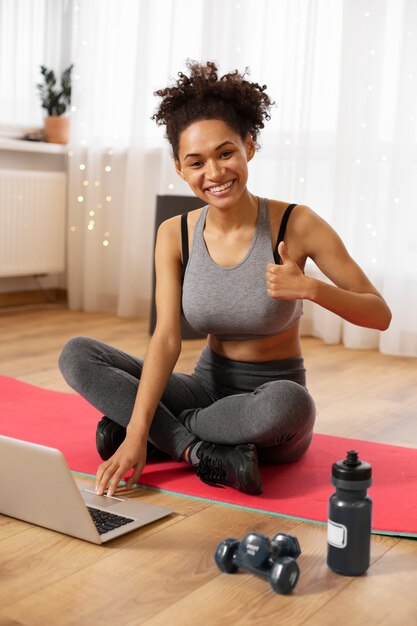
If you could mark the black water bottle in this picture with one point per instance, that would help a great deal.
(350, 513)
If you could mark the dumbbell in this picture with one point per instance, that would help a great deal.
(273, 559)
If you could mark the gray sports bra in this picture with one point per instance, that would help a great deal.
(232, 302)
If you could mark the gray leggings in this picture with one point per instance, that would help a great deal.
(223, 401)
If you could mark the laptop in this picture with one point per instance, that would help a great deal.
(37, 486)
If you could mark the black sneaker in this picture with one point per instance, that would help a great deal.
(234, 466)
(109, 436)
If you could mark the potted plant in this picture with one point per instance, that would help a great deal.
(55, 99)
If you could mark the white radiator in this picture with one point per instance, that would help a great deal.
(32, 222)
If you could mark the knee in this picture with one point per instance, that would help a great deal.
(73, 354)
(301, 407)
(289, 404)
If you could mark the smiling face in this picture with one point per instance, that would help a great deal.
(212, 159)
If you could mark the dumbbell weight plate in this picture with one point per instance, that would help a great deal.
(255, 549)
(284, 575)
(285, 545)
(224, 555)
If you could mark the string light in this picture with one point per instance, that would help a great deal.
(105, 243)
(80, 198)
(108, 198)
(96, 183)
(82, 166)
(108, 168)
(92, 213)
(73, 229)
(170, 186)
(85, 183)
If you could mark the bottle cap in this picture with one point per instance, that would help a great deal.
(351, 468)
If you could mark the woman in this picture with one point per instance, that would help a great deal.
(242, 284)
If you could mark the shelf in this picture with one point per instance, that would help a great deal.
(20, 145)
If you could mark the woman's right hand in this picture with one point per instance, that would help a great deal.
(130, 454)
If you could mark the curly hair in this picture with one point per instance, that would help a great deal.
(243, 105)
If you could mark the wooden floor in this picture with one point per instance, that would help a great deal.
(164, 574)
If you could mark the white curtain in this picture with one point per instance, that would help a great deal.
(342, 139)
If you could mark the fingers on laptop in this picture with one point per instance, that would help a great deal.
(134, 478)
(109, 474)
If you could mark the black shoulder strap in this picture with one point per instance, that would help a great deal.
(184, 242)
(282, 229)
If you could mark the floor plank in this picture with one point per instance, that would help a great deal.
(317, 586)
(386, 596)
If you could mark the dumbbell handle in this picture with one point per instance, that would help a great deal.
(268, 572)
(246, 565)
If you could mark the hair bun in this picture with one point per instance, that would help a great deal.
(202, 94)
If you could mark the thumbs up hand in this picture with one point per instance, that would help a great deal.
(286, 281)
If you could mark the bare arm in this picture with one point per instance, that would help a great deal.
(161, 357)
(165, 345)
(352, 297)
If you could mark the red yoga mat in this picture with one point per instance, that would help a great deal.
(298, 490)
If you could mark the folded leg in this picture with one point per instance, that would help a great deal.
(108, 378)
(277, 416)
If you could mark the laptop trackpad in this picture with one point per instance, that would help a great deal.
(92, 499)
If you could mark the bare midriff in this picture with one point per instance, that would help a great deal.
(283, 346)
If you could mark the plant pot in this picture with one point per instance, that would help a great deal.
(56, 129)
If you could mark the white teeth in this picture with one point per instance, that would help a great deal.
(222, 187)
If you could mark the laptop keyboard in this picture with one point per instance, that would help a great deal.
(105, 521)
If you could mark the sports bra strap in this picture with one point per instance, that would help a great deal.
(282, 229)
(184, 243)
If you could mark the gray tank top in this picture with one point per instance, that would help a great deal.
(232, 302)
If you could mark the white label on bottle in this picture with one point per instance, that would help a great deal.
(336, 534)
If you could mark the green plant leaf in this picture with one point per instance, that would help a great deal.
(53, 99)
